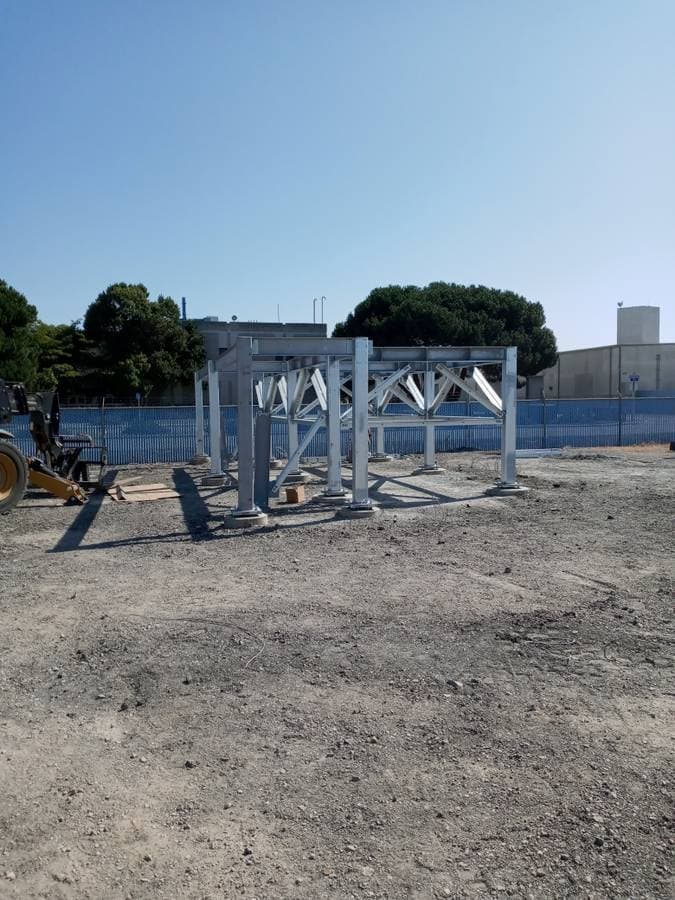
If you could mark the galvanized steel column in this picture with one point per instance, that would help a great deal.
(360, 425)
(429, 428)
(334, 474)
(245, 501)
(214, 418)
(291, 384)
(199, 417)
(509, 390)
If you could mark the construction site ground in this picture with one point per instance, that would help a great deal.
(461, 697)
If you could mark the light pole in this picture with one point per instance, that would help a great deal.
(323, 300)
(314, 310)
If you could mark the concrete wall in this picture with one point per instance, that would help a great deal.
(637, 325)
(605, 371)
(220, 336)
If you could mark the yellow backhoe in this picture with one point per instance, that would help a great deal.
(62, 463)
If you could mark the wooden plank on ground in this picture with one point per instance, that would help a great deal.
(138, 493)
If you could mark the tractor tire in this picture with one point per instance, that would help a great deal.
(13, 476)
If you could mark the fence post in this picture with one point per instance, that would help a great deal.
(543, 397)
(620, 419)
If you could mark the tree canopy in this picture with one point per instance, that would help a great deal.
(18, 352)
(140, 345)
(454, 314)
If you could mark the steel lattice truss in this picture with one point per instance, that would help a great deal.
(306, 380)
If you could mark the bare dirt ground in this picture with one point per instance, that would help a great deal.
(459, 698)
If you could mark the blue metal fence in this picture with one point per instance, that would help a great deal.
(167, 434)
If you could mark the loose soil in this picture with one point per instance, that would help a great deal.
(462, 697)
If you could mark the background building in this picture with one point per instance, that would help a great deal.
(637, 359)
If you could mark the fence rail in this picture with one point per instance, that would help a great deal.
(167, 434)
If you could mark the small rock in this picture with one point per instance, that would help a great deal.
(355, 778)
(189, 764)
(10, 876)
(187, 680)
(124, 706)
(247, 851)
(507, 570)
(454, 683)
(610, 517)
(143, 759)
(147, 857)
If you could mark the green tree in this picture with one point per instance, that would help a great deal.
(61, 357)
(18, 352)
(140, 345)
(454, 314)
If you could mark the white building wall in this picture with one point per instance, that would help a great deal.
(637, 325)
(605, 371)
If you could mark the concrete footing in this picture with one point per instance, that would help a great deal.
(296, 478)
(380, 457)
(214, 480)
(246, 520)
(506, 490)
(200, 459)
(337, 498)
(357, 512)
(277, 464)
(429, 470)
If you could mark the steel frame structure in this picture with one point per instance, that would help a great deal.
(274, 376)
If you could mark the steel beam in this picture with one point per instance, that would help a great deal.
(470, 356)
(287, 348)
(476, 393)
(292, 465)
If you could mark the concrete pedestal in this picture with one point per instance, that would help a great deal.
(357, 512)
(428, 470)
(337, 498)
(200, 459)
(506, 490)
(296, 478)
(380, 457)
(213, 480)
(246, 520)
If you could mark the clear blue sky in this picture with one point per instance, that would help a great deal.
(251, 153)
